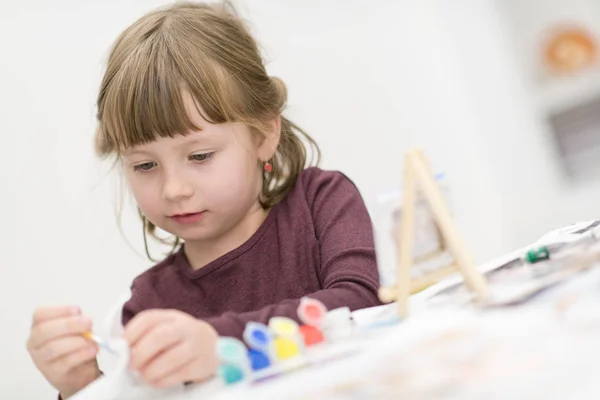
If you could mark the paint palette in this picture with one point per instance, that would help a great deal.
(282, 343)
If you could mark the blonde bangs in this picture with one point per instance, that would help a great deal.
(142, 100)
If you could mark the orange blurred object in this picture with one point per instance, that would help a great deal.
(570, 50)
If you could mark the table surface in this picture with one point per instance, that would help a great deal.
(547, 348)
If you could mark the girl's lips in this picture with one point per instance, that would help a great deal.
(187, 218)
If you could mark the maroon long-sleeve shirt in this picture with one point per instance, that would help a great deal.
(317, 242)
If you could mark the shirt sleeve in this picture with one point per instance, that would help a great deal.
(348, 271)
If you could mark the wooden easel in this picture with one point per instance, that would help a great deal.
(418, 172)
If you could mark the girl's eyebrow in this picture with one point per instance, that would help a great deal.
(203, 139)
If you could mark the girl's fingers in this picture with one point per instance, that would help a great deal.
(62, 347)
(168, 363)
(56, 328)
(144, 322)
(153, 343)
(197, 370)
(47, 313)
(73, 360)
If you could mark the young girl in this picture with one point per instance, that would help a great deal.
(189, 111)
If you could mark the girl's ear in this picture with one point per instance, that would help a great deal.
(268, 146)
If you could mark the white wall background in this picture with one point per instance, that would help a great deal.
(375, 77)
(560, 199)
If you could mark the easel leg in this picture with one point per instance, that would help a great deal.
(405, 247)
(455, 244)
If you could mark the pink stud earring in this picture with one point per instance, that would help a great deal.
(268, 167)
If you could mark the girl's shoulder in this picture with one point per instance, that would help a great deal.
(313, 181)
(316, 186)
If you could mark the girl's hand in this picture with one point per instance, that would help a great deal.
(169, 347)
(59, 351)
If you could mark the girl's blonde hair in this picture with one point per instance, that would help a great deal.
(204, 49)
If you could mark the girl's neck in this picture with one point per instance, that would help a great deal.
(202, 253)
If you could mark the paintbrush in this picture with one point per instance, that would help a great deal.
(99, 341)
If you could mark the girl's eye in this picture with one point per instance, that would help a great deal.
(147, 166)
(201, 156)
